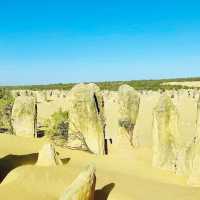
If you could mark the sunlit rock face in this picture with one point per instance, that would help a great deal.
(5, 116)
(144, 123)
(194, 165)
(174, 146)
(111, 115)
(165, 134)
(24, 115)
(194, 154)
(85, 116)
(129, 102)
(120, 110)
(48, 156)
(83, 187)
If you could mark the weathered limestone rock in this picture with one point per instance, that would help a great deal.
(24, 116)
(171, 145)
(194, 165)
(111, 119)
(120, 114)
(144, 125)
(83, 187)
(194, 156)
(187, 110)
(85, 118)
(176, 141)
(165, 134)
(111, 115)
(42, 96)
(6, 101)
(129, 102)
(48, 156)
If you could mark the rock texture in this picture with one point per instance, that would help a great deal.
(176, 136)
(194, 166)
(144, 125)
(5, 116)
(115, 121)
(194, 158)
(85, 116)
(83, 187)
(111, 115)
(24, 115)
(172, 145)
(165, 134)
(48, 156)
(129, 102)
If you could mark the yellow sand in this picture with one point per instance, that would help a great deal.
(125, 175)
(185, 83)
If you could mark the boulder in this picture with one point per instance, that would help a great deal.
(83, 187)
(85, 116)
(24, 115)
(48, 156)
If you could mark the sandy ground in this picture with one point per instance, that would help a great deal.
(186, 83)
(125, 175)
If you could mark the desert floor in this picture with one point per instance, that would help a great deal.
(185, 83)
(125, 175)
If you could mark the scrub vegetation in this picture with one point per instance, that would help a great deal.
(113, 85)
(6, 103)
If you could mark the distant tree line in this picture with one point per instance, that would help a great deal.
(112, 85)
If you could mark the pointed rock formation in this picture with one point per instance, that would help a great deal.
(165, 133)
(6, 102)
(24, 115)
(144, 125)
(111, 115)
(83, 187)
(85, 116)
(194, 157)
(48, 156)
(129, 102)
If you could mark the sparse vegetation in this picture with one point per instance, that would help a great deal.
(6, 103)
(112, 85)
(57, 131)
(128, 126)
(58, 124)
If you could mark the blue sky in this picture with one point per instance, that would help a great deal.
(75, 41)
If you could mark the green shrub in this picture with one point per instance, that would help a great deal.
(58, 124)
(6, 103)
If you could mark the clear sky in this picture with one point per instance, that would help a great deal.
(75, 41)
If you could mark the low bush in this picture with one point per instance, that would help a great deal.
(6, 103)
(58, 125)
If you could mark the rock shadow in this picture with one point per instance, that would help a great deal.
(40, 133)
(4, 130)
(65, 160)
(103, 193)
(10, 162)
